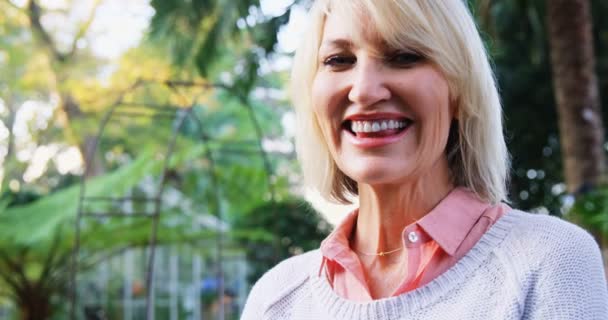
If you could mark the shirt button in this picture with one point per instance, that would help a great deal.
(413, 237)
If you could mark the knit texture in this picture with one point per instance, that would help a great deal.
(525, 267)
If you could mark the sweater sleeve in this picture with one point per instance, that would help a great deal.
(277, 283)
(570, 283)
(253, 309)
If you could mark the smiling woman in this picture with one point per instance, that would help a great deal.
(397, 105)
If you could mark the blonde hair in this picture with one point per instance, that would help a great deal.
(444, 32)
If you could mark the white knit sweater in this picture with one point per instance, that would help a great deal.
(525, 267)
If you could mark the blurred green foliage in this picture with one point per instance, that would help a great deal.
(591, 211)
(285, 228)
(516, 36)
(200, 32)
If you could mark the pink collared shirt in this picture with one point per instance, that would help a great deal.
(433, 244)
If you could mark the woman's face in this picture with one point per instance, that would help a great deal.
(384, 112)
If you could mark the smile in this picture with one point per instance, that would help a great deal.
(376, 127)
(375, 130)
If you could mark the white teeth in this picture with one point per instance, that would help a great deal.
(376, 126)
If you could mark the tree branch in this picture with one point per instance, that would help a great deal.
(34, 12)
(84, 28)
(14, 284)
(9, 278)
(13, 266)
(48, 263)
(14, 6)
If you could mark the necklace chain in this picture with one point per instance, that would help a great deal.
(379, 254)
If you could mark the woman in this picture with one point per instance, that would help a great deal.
(397, 104)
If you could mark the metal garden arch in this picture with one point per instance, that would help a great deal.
(176, 116)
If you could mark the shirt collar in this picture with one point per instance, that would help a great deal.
(453, 218)
(338, 241)
(336, 248)
(448, 224)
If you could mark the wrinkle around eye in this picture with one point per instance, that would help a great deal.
(404, 58)
(338, 62)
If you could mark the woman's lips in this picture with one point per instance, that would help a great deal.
(380, 134)
(375, 129)
(375, 139)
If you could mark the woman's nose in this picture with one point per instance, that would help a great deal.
(369, 83)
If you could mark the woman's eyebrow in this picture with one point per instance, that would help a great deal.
(338, 42)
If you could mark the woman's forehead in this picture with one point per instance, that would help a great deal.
(349, 31)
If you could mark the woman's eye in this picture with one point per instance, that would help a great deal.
(404, 58)
(339, 61)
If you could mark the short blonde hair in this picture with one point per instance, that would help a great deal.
(444, 32)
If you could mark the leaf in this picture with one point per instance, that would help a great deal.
(208, 50)
(265, 34)
(35, 222)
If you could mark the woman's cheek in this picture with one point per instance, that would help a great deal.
(322, 106)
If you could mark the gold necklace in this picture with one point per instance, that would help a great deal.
(379, 254)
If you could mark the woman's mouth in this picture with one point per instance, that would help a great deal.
(375, 132)
(376, 128)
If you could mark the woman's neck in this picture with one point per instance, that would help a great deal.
(385, 210)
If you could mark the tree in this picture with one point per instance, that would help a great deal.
(516, 34)
(18, 84)
(577, 96)
(60, 64)
(577, 93)
(199, 32)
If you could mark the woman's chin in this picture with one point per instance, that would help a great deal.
(380, 176)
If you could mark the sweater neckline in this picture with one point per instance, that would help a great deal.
(392, 307)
